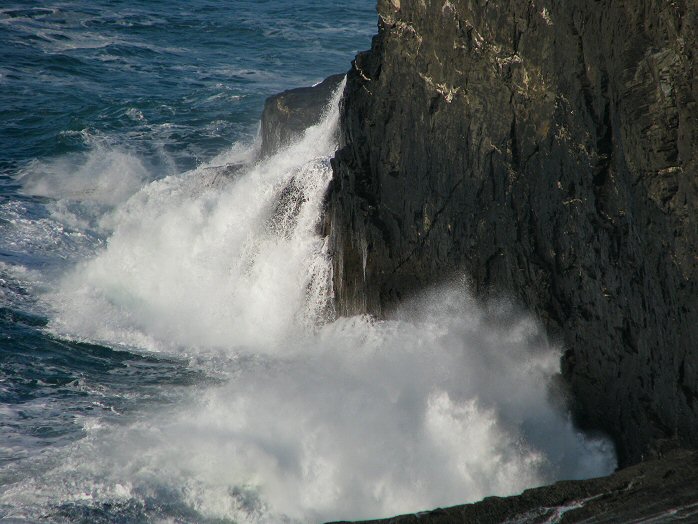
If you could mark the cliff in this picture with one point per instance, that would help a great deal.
(549, 151)
(287, 115)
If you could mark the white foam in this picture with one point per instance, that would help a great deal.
(106, 175)
(314, 420)
(194, 267)
(361, 419)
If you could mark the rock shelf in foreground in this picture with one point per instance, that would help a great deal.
(659, 490)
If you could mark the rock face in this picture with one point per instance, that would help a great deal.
(548, 150)
(287, 115)
(655, 491)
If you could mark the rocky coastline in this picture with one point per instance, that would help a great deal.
(548, 151)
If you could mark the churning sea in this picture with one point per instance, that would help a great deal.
(168, 351)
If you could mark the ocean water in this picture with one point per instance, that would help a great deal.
(168, 349)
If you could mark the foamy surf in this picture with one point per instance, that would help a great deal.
(310, 419)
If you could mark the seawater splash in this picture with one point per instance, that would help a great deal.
(310, 419)
(191, 264)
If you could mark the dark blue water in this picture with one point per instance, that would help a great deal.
(186, 77)
(95, 91)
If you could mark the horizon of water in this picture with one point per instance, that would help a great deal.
(169, 352)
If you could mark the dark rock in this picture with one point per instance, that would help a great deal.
(655, 491)
(287, 115)
(219, 176)
(549, 150)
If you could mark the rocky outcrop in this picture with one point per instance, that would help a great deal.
(655, 491)
(549, 151)
(287, 115)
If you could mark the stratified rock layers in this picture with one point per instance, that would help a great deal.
(549, 150)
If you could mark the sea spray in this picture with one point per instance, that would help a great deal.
(191, 265)
(308, 420)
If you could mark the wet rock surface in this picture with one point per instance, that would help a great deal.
(548, 150)
(661, 490)
(287, 115)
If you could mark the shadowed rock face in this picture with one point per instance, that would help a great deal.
(549, 150)
(655, 491)
(287, 115)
